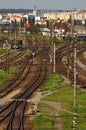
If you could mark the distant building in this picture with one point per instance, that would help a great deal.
(80, 29)
(5, 22)
(58, 28)
(57, 15)
(0, 17)
(79, 15)
(15, 16)
(45, 31)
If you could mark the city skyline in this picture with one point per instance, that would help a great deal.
(42, 4)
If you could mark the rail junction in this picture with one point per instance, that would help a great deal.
(33, 69)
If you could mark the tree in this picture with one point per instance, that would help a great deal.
(47, 24)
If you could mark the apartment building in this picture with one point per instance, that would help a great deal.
(79, 15)
(13, 16)
(57, 15)
(76, 14)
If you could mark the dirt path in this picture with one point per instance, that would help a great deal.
(84, 55)
(56, 106)
(8, 98)
(81, 65)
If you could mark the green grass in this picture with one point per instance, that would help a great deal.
(53, 83)
(2, 51)
(4, 76)
(67, 121)
(44, 122)
(65, 96)
(44, 108)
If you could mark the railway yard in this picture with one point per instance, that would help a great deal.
(33, 68)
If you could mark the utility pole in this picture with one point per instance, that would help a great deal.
(75, 87)
(75, 73)
(53, 48)
(7, 56)
(72, 23)
(54, 58)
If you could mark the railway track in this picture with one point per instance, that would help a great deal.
(13, 84)
(15, 114)
(8, 87)
(65, 64)
(12, 58)
(8, 111)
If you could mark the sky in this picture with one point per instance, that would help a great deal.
(44, 4)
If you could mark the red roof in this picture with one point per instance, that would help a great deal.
(60, 25)
(28, 25)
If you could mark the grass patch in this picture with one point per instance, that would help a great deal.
(44, 108)
(67, 121)
(53, 83)
(65, 96)
(2, 51)
(44, 121)
(4, 76)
